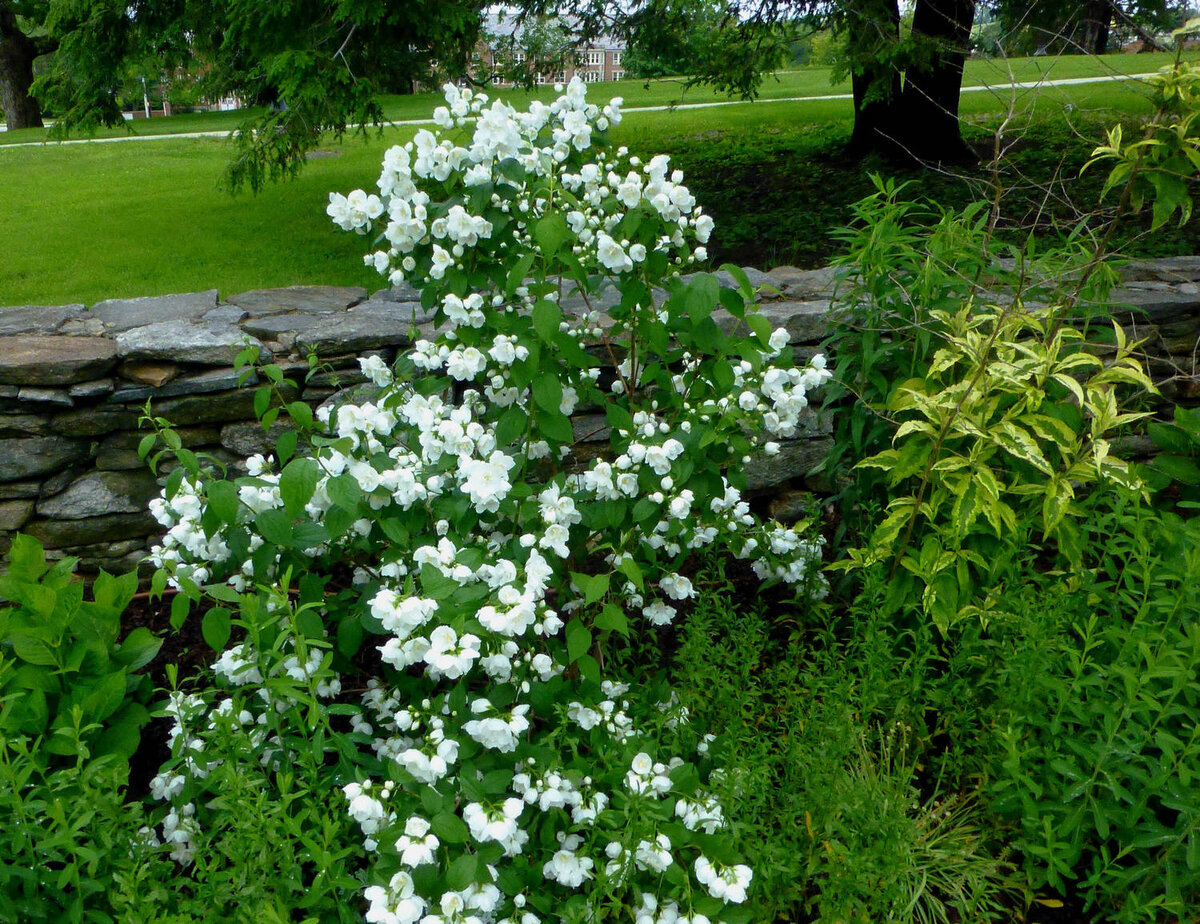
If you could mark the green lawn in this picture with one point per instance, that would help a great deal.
(109, 220)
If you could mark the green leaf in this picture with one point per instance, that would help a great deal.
(579, 639)
(551, 233)
(700, 296)
(449, 828)
(613, 619)
(1177, 468)
(511, 425)
(275, 526)
(285, 446)
(26, 558)
(556, 426)
(350, 633)
(297, 483)
(33, 647)
(344, 491)
(105, 698)
(138, 649)
(307, 534)
(179, 610)
(548, 394)
(223, 500)
(546, 318)
(215, 628)
(594, 586)
(462, 872)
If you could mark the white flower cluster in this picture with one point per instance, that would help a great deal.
(471, 523)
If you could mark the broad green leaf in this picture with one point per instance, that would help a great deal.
(579, 639)
(223, 500)
(550, 233)
(297, 483)
(548, 394)
(546, 318)
(275, 526)
(612, 618)
(215, 627)
(138, 648)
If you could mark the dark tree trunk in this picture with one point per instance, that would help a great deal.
(1092, 27)
(914, 119)
(873, 29)
(926, 115)
(17, 54)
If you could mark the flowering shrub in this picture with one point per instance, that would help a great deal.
(495, 772)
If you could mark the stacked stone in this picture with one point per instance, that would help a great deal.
(74, 383)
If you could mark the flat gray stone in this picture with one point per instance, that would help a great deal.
(96, 421)
(186, 342)
(42, 455)
(272, 326)
(83, 326)
(1154, 306)
(405, 292)
(199, 383)
(224, 314)
(22, 425)
(121, 314)
(91, 389)
(20, 490)
(116, 527)
(100, 493)
(805, 322)
(37, 319)
(794, 460)
(802, 284)
(245, 439)
(30, 360)
(302, 299)
(218, 407)
(57, 396)
(369, 326)
(15, 513)
(153, 374)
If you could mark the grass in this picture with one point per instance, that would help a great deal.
(149, 218)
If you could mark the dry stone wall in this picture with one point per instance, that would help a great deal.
(74, 381)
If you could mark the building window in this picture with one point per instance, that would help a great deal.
(541, 79)
(590, 76)
(595, 58)
(618, 75)
(518, 57)
(616, 58)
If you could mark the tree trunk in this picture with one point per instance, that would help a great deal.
(17, 54)
(873, 30)
(925, 118)
(912, 117)
(1092, 28)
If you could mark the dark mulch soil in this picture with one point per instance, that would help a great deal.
(185, 649)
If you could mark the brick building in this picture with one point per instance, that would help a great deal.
(600, 61)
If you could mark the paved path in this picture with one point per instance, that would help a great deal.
(983, 88)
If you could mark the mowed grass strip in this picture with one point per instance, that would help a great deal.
(150, 217)
(809, 81)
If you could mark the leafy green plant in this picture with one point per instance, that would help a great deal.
(1098, 737)
(254, 811)
(69, 840)
(67, 672)
(829, 781)
(989, 448)
(1178, 459)
(72, 705)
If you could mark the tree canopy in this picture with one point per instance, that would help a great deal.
(317, 67)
